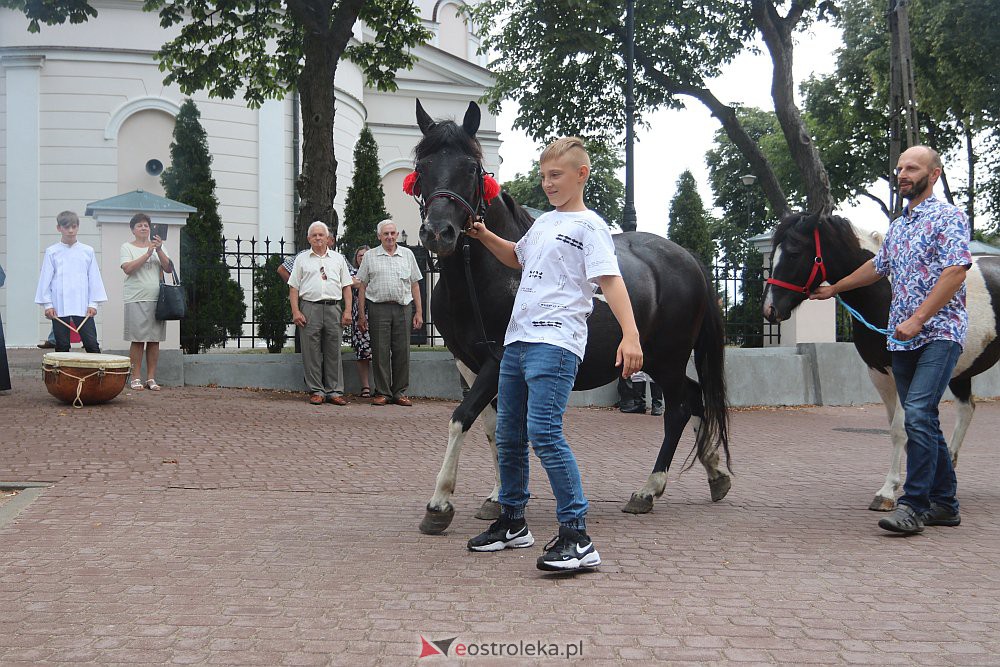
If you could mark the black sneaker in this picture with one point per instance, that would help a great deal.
(940, 516)
(569, 550)
(904, 519)
(503, 534)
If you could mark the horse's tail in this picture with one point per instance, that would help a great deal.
(710, 362)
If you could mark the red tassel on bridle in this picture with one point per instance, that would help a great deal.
(491, 189)
(410, 185)
(488, 190)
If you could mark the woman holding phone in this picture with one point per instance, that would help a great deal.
(142, 259)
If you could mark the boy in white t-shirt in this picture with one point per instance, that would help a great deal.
(564, 256)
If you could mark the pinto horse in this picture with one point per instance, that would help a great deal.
(674, 305)
(809, 248)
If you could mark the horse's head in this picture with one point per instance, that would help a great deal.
(796, 265)
(450, 179)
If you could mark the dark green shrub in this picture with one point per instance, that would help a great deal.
(216, 306)
(271, 305)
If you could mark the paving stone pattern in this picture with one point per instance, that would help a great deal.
(221, 526)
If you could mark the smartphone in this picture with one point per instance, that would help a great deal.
(160, 230)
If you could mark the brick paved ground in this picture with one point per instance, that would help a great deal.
(194, 526)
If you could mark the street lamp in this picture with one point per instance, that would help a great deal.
(748, 181)
(402, 237)
(628, 213)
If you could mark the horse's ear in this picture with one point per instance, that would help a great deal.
(472, 118)
(423, 120)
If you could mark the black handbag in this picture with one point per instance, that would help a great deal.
(171, 304)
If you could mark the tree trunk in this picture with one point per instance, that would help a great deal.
(317, 185)
(759, 164)
(970, 156)
(326, 33)
(777, 34)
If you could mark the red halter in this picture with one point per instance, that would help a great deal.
(818, 267)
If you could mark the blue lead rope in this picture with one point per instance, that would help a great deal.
(884, 332)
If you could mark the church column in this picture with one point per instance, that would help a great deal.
(23, 73)
(271, 163)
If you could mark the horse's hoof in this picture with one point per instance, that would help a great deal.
(720, 487)
(639, 504)
(881, 504)
(489, 511)
(437, 521)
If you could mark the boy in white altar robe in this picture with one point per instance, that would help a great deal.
(70, 286)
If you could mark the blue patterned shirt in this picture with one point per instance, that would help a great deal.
(919, 245)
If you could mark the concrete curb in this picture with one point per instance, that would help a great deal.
(808, 374)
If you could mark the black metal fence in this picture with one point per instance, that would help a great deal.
(244, 258)
(739, 290)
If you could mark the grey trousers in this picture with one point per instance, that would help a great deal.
(389, 326)
(321, 341)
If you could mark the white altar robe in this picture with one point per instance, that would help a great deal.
(71, 280)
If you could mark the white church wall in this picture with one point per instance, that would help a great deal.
(453, 31)
(89, 79)
(144, 136)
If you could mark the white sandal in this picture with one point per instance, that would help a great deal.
(151, 385)
(136, 384)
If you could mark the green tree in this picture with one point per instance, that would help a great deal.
(216, 308)
(364, 207)
(272, 309)
(958, 98)
(561, 60)
(604, 192)
(746, 212)
(266, 48)
(690, 225)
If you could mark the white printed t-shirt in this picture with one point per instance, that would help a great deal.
(562, 255)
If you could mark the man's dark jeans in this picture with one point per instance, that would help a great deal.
(921, 378)
(88, 333)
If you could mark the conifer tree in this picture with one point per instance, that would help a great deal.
(272, 310)
(689, 222)
(216, 306)
(365, 204)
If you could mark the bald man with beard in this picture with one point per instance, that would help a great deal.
(926, 251)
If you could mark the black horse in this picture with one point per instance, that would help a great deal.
(843, 248)
(675, 310)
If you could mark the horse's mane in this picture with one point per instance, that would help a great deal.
(522, 219)
(838, 230)
(447, 134)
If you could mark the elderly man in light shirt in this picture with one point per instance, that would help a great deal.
(319, 289)
(390, 281)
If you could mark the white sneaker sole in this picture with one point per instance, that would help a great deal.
(593, 559)
(521, 542)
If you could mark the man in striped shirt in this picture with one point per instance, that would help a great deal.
(390, 282)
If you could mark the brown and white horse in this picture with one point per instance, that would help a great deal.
(842, 249)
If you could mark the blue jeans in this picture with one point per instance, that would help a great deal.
(921, 378)
(535, 383)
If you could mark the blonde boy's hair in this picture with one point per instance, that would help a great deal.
(571, 146)
(67, 218)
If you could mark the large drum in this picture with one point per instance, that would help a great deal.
(85, 379)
